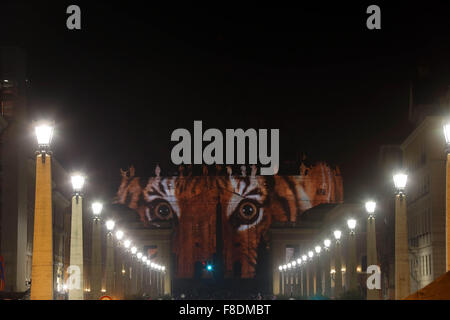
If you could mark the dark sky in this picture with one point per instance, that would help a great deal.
(134, 73)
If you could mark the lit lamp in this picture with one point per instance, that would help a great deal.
(327, 267)
(318, 249)
(402, 272)
(447, 195)
(109, 272)
(96, 260)
(127, 243)
(351, 265)
(42, 262)
(372, 294)
(119, 235)
(76, 291)
(133, 250)
(337, 265)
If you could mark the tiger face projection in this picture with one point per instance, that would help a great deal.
(246, 206)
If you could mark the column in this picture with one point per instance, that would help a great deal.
(42, 263)
(96, 260)
(372, 259)
(338, 268)
(402, 271)
(327, 272)
(351, 265)
(76, 290)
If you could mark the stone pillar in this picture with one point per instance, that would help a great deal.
(304, 280)
(351, 264)
(372, 259)
(109, 270)
(338, 269)
(76, 291)
(133, 275)
(327, 272)
(319, 275)
(447, 223)
(42, 264)
(402, 272)
(310, 268)
(96, 260)
(277, 259)
(282, 283)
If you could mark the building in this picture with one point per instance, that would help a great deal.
(17, 182)
(424, 160)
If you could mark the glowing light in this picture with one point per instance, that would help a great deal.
(280, 268)
(310, 254)
(127, 243)
(139, 255)
(110, 225)
(337, 234)
(370, 207)
(119, 234)
(44, 134)
(133, 250)
(304, 258)
(77, 182)
(351, 224)
(299, 261)
(97, 208)
(318, 249)
(327, 243)
(400, 181)
(447, 133)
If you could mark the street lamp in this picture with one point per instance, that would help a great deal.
(337, 265)
(133, 250)
(402, 272)
(119, 234)
(372, 294)
(42, 262)
(76, 236)
(318, 249)
(351, 265)
(139, 255)
(96, 260)
(110, 224)
(447, 194)
(326, 259)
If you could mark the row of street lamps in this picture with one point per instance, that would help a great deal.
(42, 262)
(301, 270)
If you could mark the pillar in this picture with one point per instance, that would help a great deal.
(277, 258)
(96, 260)
(338, 269)
(351, 264)
(42, 263)
(327, 272)
(447, 223)
(402, 272)
(372, 259)
(109, 272)
(318, 276)
(310, 268)
(76, 290)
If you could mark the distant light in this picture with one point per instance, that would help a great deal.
(447, 133)
(127, 243)
(6, 80)
(400, 181)
(351, 224)
(133, 250)
(77, 182)
(293, 263)
(163, 268)
(209, 267)
(318, 249)
(299, 261)
(337, 234)
(370, 207)
(284, 267)
(147, 262)
(343, 269)
(327, 243)
(144, 258)
(289, 265)
(304, 258)
(119, 234)
(97, 208)
(139, 255)
(152, 265)
(358, 269)
(110, 225)
(310, 254)
(280, 268)
(44, 134)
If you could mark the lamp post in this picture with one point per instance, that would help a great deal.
(310, 274)
(327, 267)
(96, 256)
(76, 287)
(126, 274)
(372, 294)
(337, 265)
(402, 272)
(299, 277)
(110, 224)
(447, 196)
(304, 275)
(318, 249)
(42, 262)
(351, 265)
(119, 266)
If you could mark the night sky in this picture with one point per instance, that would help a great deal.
(118, 87)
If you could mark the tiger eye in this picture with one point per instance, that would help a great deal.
(163, 210)
(247, 211)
